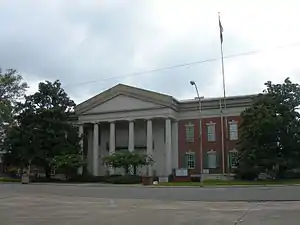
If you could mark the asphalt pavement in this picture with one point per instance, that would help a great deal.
(252, 193)
(49, 204)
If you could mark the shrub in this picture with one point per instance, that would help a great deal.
(195, 179)
(13, 172)
(171, 178)
(9, 179)
(246, 174)
(75, 179)
(127, 160)
(127, 179)
(46, 180)
(87, 179)
(155, 178)
(292, 174)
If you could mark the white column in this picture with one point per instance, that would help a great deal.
(149, 145)
(112, 142)
(168, 164)
(80, 134)
(112, 138)
(131, 136)
(96, 149)
(175, 144)
(90, 151)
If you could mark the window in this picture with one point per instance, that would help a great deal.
(211, 131)
(212, 159)
(189, 132)
(233, 130)
(232, 158)
(190, 160)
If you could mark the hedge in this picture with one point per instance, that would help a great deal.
(127, 179)
(9, 179)
(112, 179)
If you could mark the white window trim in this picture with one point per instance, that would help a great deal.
(211, 124)
(189, 125)
(232, 151)
(211, 152)
(190, 153)
(233, 122)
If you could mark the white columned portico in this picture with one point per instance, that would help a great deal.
(131, 136)
(96, 149)
(112, 142)
(80, 134)
(175, 144)
(168, 164)
(150, 144)
(112, 138)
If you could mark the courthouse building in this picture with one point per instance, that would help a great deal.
(134, 119)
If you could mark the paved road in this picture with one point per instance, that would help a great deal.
(279, 193)
(77, 205)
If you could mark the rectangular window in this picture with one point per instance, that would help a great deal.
(233, 156)
(212, 159)
(233, 131)
(190, 160)
(211, 132)
(189, 132)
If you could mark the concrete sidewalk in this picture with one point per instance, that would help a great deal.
(158, 186)
(47, 209)
(248, 193)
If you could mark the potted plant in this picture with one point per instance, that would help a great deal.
(148, 179)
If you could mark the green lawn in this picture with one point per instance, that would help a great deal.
(7, 179)
(231, 183)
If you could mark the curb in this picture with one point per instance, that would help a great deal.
(153, 186)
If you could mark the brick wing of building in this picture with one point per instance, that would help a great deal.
(134, 119)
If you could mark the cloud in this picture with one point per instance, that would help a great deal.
(104, 41)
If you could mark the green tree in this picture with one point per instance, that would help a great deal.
(127, 160)
(12, 88)
(270, 131)
(68, 163)
(44, 120)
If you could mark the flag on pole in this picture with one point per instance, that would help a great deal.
(221, 29)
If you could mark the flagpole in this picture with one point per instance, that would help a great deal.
(224, 99)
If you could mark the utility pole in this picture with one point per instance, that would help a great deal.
(193, 83)
(223, 106)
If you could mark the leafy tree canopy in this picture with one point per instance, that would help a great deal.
(67, 163)
(43, 122)
(127, 160)
(270, 130)
(12, 88)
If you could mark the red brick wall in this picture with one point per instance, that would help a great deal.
(217, 144)
(184, 146)
(230, 144)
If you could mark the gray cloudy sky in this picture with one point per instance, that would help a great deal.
(78, 41)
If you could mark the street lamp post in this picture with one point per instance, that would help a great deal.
(193, 83)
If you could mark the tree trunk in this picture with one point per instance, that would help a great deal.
(281, 172)
(47, 171)
(134, 170)
(126, 168)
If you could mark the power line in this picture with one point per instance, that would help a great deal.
(182, 65)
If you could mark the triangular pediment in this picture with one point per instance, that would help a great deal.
(122, 103)
(124, 98)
